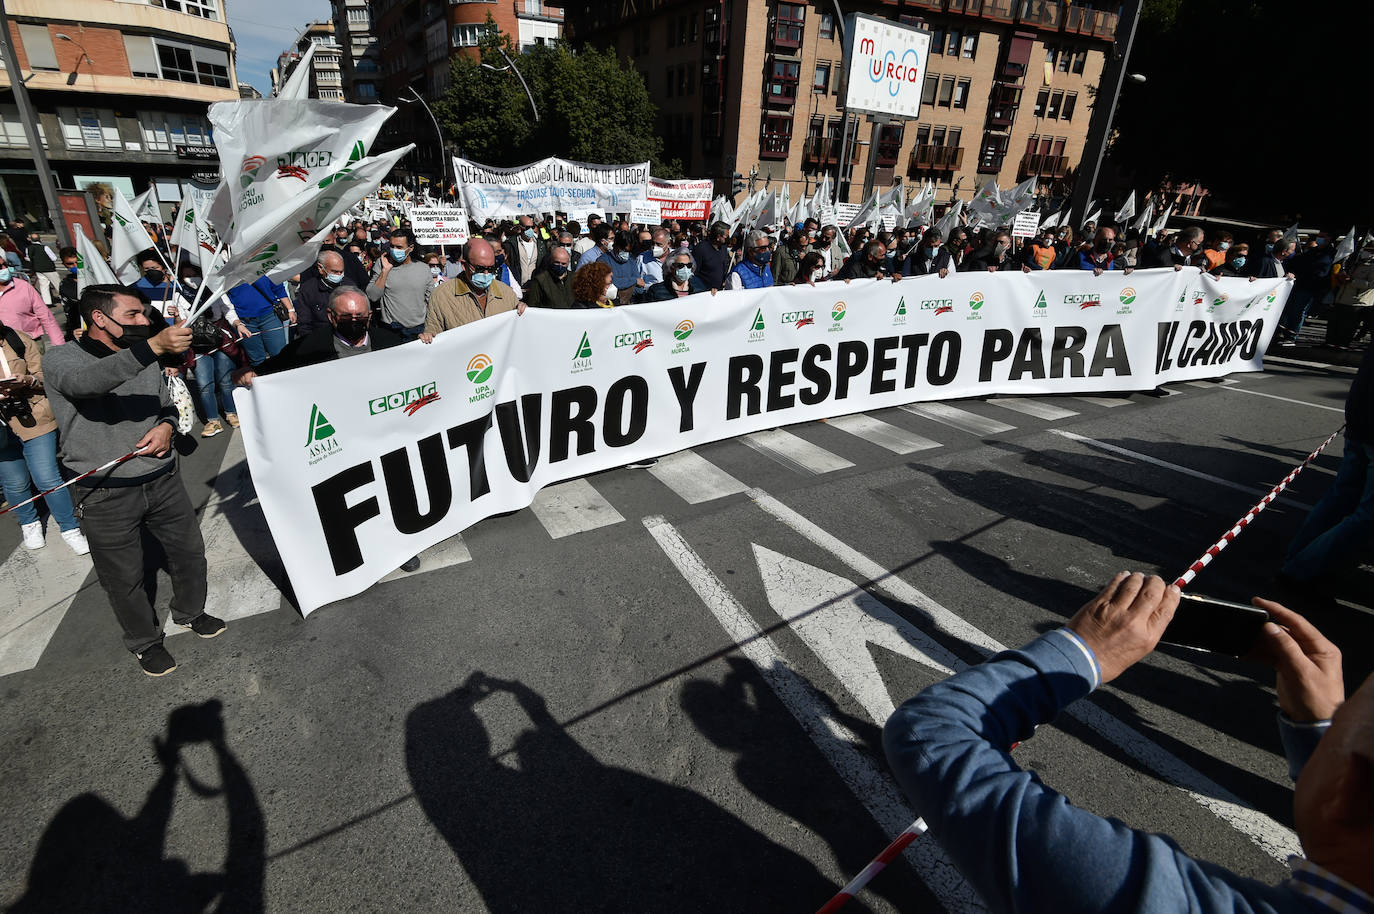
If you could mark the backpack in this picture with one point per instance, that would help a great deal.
(13, 339)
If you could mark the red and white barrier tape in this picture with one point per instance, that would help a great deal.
(106, 466)
(1206, 559)
(890, 853)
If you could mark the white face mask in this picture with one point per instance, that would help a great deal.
(435, 270)
(658, 251)
(612, 292)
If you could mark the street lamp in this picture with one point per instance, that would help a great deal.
(71, 77)
(510, 65)
(443, 159)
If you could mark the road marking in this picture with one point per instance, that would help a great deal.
(1256, 393)
(573, 507)
(839, 621)
(240, 584)
(873, 787)
(695, 478)
(41, 583)
(452, 551)
(1155, 461)
(1107, 402)
(1344, 369)
(795, 453)
(1036, 408)
(959, 418)
(876, 431)
(1272, 837)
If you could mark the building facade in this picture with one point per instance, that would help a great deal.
(360, 53)
(326, 75)
(756, 84)
(121, 90)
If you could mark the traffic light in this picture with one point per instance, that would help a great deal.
(737, 185)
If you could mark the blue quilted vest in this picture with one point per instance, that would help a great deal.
(751, 277)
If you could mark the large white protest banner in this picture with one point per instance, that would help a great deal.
(361, 464)
(549, 185)
(439, 224)
(689, 199)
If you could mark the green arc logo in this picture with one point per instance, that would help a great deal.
(838, 311)
(683, 330)
(479, 368)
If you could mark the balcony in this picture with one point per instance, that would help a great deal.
(1046, 166)
(887, 152)
(774, 146)
(999, 10)
(787, 35)
(825, 150)
(928, 158)
(1003, 105)
(1091, 22)
(1043, 14)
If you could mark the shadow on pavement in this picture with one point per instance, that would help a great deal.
(548, 827)
(91, 858)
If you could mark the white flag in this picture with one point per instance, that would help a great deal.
(145, 205)
(272, 150)
(1127, 210)
(1093, 217)
(1053, 221)
(184, 232)
(128, 239)
(1146, 215)
(1162, 221)
(91, 268)
(1346, 247)
(950, 219)
(298, 85)
(768, 212)
(1292, 233)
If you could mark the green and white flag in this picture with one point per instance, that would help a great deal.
(128, 239)
(91, 268)
(1127, 209)
(1345, 247)
(1142, 223)
(950, 219)
(298, 84)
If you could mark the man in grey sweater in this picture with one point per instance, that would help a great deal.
(108, 396)
(401, 284)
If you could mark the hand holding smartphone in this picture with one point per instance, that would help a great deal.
(1220, 626)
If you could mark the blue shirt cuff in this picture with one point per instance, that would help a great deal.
(1300, 741)
(1095, 679)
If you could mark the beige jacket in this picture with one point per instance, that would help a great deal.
(31, 362)
(452, 304)
(1360, 290)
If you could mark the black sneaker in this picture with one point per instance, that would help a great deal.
(411, 564)
(156, 661)
(642, 464)
(205, 625)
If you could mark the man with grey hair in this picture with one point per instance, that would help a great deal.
(312, 295)
(755, 270)
(1183, 252)
(348, 331)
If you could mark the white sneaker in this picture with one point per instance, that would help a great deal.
(77, 540)
(33, 535)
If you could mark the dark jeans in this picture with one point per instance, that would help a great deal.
(1339, 527)
(407, 333)
(114, 520)
(1295, 309)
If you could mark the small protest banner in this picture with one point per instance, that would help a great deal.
(1026, 224)
(646, 212)
(439, 224)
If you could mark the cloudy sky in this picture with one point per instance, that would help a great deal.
(262, 32)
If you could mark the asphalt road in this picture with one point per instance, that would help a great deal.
(662, 691)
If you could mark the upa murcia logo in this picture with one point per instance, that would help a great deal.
(321, 442)
(479, 373)
(899, 316)
(800, 318)
(680, 333)
(582, 358)
(409, 400)
(1084, 300)
(975, 306)
(638, 340)
(1217, 302)
(1127, 298)
(756, 327)
(1269, 299)
(248, 171)
(837, 313)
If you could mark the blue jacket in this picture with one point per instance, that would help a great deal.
(752, 276)
(664, 291)
(1021, 845)
(256, 299)
(1083, 261)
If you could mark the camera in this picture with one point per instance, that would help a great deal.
(17, 408)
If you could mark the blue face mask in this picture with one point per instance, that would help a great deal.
(1238, 262)
(6, 274)
(683, 273)
(622, 256)
(481, 281)
(529, 234)
(72, 270)
(398, 255)
(333, 278)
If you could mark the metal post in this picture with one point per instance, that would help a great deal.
(1100, 126)
(842, 170)
(510, 63)
(30, 121)
(443, 157)
(871, 168)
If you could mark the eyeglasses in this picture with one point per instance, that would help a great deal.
(476, 269)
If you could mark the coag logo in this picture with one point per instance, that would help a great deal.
(248, 171)
(838, 310)
(1127, 295)
(305, 159)
(479, 368)
(409, 400)
(975, 301)
(639, 340)
(293, 171)
(938, 305)
(1084, 300)
(800, 318)
(683, 330)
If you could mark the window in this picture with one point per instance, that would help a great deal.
(782, 83)
(923, 135)
(952, 48)
(1065, 59)
(937, 41)
(1041, 102)
(89, 128)
(1080, 60)
(38, 46)
(953, 137)
(192, 64)
(176, 63)
(689, 77)
(777, 136)
(163, 131)
(205, 9)
(1070, 102)
(932, 84)
(970, 46)
(534, 7)
(946, 91)
(365, 90)
(787, 31)
(12, 129)
(1056, 99)
(468, 36)
(142, 56)
(961, 93)
(937, 136)
(827, 26)
(672, 34)
(822, 81)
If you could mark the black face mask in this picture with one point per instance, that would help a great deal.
(155, 277)
(1104, 246)
(132, 333)
(559, 270)
(351, 329)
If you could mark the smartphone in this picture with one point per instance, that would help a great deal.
(1219, 626)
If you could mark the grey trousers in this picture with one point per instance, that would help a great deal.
(114, 519)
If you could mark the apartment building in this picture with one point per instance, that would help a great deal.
(121, 89)
(359, 60)
(326, 75)
(745, 84)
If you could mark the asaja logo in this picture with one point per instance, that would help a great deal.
(639, 340)
(756, 328)
(800, 318)
(680, 333)
(1128, 296)
(582, 358)
(901, 307)
(479, 368)
(320, 440)
(975, 301)
(899, 316)
(248, 171)
(1040, 302)
(409, 400)
(263, 253)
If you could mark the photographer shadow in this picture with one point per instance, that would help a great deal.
(93, 859)
(547, 826)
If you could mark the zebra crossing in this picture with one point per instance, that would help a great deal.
(246, 567)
